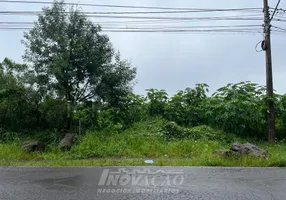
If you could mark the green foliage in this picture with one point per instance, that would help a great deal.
(7, 137)
(72, 58)
(208, 133)
(137, 143)
(130, 109)
(143, 139)
(69, 59)
(53, 113)
(186, 107)
(14, 107)
(171, 130)
(280, 108)
(157, 101)
(133, 108)
(12, 151)
(10, 67)
(238, 108)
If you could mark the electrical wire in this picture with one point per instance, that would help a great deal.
(116, 29)
(194, 29)
(229, 18)
(128, 6)
(155, 30)
(282, 29)
(148, 27)
(113, 13)
(90, 14)
(233, 28)
(151, 23)
(241, 27)
(141, 22)
(257, 46)
(274, 11)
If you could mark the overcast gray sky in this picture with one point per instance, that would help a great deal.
(175, 61)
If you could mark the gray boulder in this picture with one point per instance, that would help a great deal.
(249, 149)
(67, 142)
(238, 149)
(32, 146)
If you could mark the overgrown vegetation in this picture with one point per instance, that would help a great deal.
(72, 77)
(144, 140)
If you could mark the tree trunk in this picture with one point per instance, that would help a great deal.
(37, 115)
(69, 113)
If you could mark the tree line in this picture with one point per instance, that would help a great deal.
(72, 73)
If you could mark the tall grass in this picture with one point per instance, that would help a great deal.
(134, 145)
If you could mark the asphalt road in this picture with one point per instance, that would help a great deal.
(192, 183)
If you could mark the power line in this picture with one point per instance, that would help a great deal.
(283, 29)
(148, 19)
(119, 13)
(146, 27)
(96, 14)
(247, 26)
(128, 6)
(234, 28)
(274, 10)
(281, 10)
(280, 14)
(162, 29)
(182, 30)
(151, 17)
(155, 30)
(122, 23)
(280, 17)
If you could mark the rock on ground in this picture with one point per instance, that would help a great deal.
(67, 141)
(32, 146)
(243, 149)
(249, 149)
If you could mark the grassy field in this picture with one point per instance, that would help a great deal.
(142, 141)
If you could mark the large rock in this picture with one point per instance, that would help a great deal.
(67, 141)
(249, 149)
(32, 146)
(238, 149)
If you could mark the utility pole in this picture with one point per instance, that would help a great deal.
(269, 76)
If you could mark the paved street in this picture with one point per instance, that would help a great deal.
(192, 183)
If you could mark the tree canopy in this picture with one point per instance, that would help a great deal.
(73, 59)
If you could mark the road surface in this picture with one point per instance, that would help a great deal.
(176, 183)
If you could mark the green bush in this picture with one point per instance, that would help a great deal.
(8, 136)
(280, 105)
(130, 109)
(210, 134)
(186, 107)
(238, 108)
(53, 114)
(157, 101)
(171, 130)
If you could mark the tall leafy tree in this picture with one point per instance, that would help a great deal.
(71, 58)
(12, 95)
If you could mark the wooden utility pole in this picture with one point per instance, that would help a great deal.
(269, 78)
